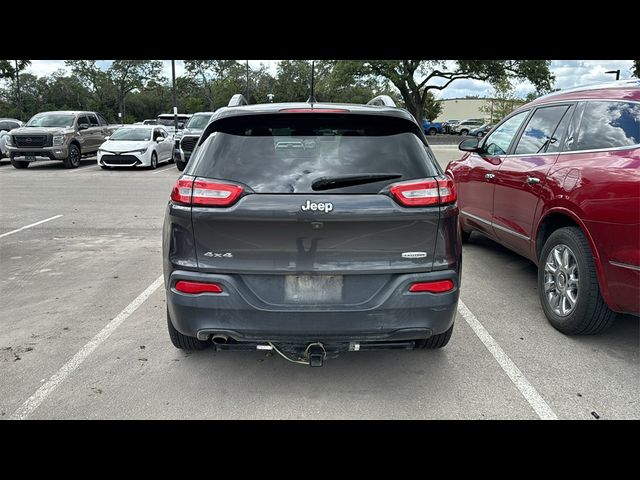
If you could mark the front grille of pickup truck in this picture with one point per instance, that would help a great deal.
(188, 143)
(35, 141)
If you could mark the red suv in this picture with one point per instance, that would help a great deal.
(558, 181)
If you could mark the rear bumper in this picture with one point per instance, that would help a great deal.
(391, 314)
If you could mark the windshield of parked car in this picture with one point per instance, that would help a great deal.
(291, 154)
(169, 121)
(198, 121)
(132, 134)
(51, 120)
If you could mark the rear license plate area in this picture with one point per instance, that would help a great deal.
(313, 289)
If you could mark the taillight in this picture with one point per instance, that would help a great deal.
(181, 192)
(215, 194)
(189, 191)
(195, 288)
(439, 286)
(423, 193)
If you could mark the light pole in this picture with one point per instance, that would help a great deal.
(18, 88)
(617, 72)
(246, 90)
(175, 106)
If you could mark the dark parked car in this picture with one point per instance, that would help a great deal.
(190, 135)
(558, 182)
(312, 229)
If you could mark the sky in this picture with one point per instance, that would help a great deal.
(569, 73)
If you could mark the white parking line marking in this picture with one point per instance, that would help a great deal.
(164, 169)
(68, 368)
(527, 390)
(29, 226)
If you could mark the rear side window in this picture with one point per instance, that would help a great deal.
(93, 121)
(606, 124)
(540, 131)
(286, 153)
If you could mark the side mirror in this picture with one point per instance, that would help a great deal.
(160, 139)
(83, 126)
(470, 145)
(106, 138)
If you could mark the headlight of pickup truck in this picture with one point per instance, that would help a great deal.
(7, 141)
(58, 139)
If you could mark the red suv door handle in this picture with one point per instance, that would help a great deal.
(489, 176)
(533, 180)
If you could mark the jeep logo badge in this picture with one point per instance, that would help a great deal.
(28, 140)
(319, 206)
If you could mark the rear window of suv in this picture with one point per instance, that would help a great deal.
(606, 124)
(286, 153)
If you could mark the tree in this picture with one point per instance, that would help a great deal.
(636, 68)
(416, 78)
(128, 75)
(210, 74)
(11, 69)
(432, 107)
(502, 102)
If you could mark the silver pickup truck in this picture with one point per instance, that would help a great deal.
(61, 135)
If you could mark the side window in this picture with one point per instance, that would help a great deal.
(156, 133)
(607, 124)
(93, 121)
(163, 133)
(82, 119)
(559, 135)
(539, 132)
(102, 121)
(498, 142)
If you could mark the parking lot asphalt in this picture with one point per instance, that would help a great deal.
(84, 333)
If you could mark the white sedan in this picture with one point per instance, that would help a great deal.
(136, 145)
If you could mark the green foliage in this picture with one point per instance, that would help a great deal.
(414, 79)
(635, 70)
(501, 103)
(432, 107)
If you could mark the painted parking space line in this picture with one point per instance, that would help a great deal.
(29, 226)
(68, 368)
(531, 395)
(168, 167)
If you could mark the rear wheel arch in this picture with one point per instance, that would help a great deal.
(562, 217)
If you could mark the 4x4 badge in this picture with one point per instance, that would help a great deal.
(219, 255)
(319, 206)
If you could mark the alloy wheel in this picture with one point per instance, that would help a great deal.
(561, 280)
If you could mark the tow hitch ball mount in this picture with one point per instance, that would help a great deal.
(315, 354)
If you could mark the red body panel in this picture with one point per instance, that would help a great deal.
(598, 190)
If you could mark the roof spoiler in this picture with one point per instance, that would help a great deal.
(382, 101)
(237, 100)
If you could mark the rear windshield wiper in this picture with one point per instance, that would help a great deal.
(327, 183)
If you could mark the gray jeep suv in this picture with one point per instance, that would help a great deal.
(311, 229)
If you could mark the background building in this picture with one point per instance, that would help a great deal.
(486, 108)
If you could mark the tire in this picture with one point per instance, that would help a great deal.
(435, 341)
(19, 163)
(480, 135)
(464, 132)
(180, 165)
(73, 159)
(432, 131)
(589, 314)
(465, 236)
(184, 342)
(154, 161)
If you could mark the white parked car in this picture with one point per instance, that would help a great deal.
(136, 146)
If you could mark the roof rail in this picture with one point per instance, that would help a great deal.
(382, 101)
(237, 100)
